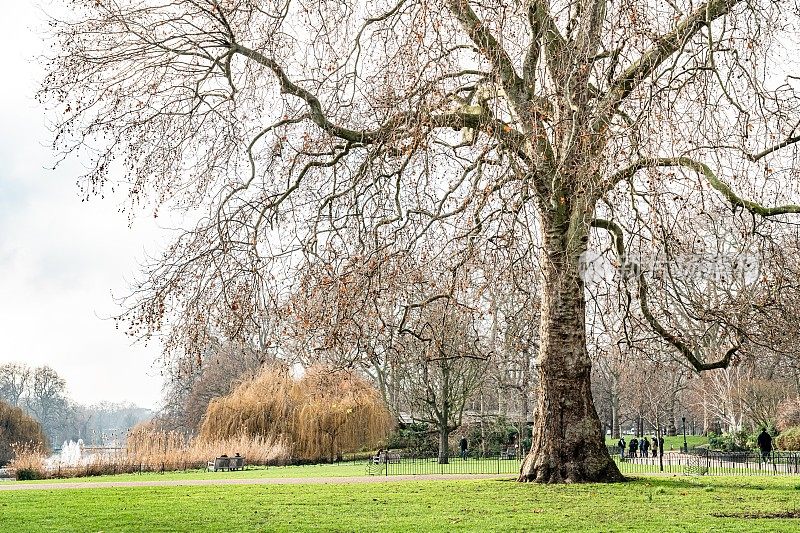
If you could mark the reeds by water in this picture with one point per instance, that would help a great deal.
(150, 449)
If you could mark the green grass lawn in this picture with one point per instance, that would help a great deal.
(345, 469)
(646, 504)
(321, 470)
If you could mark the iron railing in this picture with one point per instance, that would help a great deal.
(698, 462)
(710, 462)
(430, 464)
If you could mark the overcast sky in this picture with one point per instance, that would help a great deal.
(61, 260)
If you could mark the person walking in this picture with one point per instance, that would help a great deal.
(644, 446)
(765, 444)
(621, 446)
(633, 447)
(463, 446)
(655, 446)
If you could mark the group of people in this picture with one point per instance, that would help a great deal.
(641, 447)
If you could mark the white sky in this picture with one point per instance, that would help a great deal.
(61, 260)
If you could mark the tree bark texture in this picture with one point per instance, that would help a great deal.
(567, 445)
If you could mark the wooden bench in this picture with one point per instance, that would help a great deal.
(376, 464)
(508, 453)
(219, 463)
(386, 457)
(226, 463)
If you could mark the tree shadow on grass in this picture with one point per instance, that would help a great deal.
(775, 514)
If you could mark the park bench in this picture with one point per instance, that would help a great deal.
(508, 453)
(226, 463)
(219, 463)
(386, 457)
(375, 466)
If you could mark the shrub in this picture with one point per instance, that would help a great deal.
(738, 441)
(729, 442)
(29, 474)
(789, 439)
(17, 428)
(496, 436)
(417, 438)
(752, 438)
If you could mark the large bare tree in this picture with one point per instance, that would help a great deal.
(330, 130)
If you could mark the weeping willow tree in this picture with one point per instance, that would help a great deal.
(263, 405)
(323, 414)
(18, 428)
(339, 412)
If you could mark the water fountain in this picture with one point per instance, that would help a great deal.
(71, 454)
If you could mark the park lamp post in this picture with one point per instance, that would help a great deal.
(685, 445)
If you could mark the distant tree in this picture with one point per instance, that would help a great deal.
(47, 400)
(443, 364)
(416, 329)
(788, 413)
(18, 428)
(325, 413)
(14, 381)
(229, 364)
(194, 382)
(103, 423)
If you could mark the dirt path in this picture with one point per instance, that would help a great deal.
(11, 485)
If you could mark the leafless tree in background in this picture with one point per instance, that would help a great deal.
(47, 400)
(187, 395)
(444, 362)
(14, 382)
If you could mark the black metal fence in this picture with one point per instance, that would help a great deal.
(709, 462)
(402, 464)
(696, 462)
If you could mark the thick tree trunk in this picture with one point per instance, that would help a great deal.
(567, 442)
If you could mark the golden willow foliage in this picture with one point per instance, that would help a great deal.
(325, 413)
(260, 406)
(17, 428)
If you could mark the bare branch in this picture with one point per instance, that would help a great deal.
(617, 237)
(664, 47)
(713, 180)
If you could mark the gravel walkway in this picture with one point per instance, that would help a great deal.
(11, 485)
